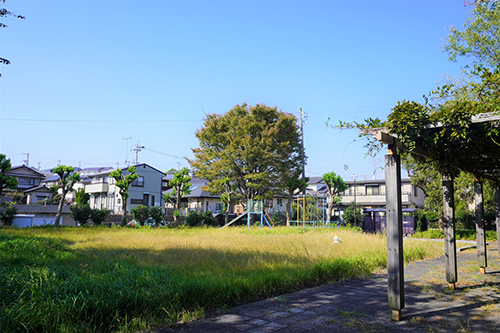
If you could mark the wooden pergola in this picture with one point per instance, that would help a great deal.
(476, 154)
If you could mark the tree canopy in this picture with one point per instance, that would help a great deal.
(253, 146)
(123, 182)
(181, 186)
(335, 185)
(67, 178)
(6, 181)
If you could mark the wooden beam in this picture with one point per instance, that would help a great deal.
(450, 247)
(480, 234)
(497, 215)
(391, 140)
(395, 268)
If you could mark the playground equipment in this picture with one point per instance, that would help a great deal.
(254, 207)
(257, 208)
(311, 213)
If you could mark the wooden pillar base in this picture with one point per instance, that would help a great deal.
(396, 315)
(451, 286)
(482, 270)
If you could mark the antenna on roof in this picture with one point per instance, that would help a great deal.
(137, 149)
(127, 162)
(27, 160)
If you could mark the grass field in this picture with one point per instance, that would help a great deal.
(129, 280)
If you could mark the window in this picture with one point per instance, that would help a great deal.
(26, 181)
(136, 201)
(279, 202)
(138, 182)
(269, 203)
(372, 190)
(218, 207)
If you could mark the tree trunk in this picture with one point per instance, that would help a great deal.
(60, 206)
(124, 212)
(289, 207)
(330, 208)
(178, 203)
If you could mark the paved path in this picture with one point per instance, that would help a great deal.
(361, 305)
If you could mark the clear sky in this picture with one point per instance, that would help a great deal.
(85, 75)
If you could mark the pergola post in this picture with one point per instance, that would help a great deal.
(450, 247)
(480, 234)
(395, 268)
(497, 215)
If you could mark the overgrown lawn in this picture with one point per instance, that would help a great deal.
(127, 280)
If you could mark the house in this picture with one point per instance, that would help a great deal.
(370, 195)
(198, 200)
(29, 180)
(145, 190)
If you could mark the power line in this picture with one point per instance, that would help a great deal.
(100, 121)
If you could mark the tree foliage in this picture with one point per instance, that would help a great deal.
(5, 13)
(8, 213)
(67, 178)
(81, 197)
(335, 185)
(123, 182)
(253, 146)
(6, 181)
(140, 214)
(479, 39)
(80, 213)
(181, 186)
(98, 216)
(353, 215)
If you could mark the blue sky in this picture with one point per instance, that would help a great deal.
(84, 75)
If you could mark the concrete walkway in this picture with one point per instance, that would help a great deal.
(361, 305)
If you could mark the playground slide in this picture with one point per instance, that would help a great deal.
(268, 217)
(234, 220)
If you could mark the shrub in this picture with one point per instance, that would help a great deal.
(421, 220)
(156, 213)
(278, 218)
(98, 216)
(8, 214)
(194, 218)
(140, 214)
(80, 213)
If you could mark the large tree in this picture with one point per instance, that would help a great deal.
(123, 182)
(4, 13)
(6, 181)
(335, 185)
(67, 178)
(252, 146)
(181, 186)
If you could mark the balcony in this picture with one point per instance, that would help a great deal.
(97, 188)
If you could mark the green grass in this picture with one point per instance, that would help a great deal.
(491, 235)
(128, 280)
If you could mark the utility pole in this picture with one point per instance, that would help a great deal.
(126, 151)
(137, 149)
(354, 176)
(27, 160)
(302, 152)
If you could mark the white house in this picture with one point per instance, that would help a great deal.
(145, 190)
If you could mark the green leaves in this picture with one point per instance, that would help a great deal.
(253, 146)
